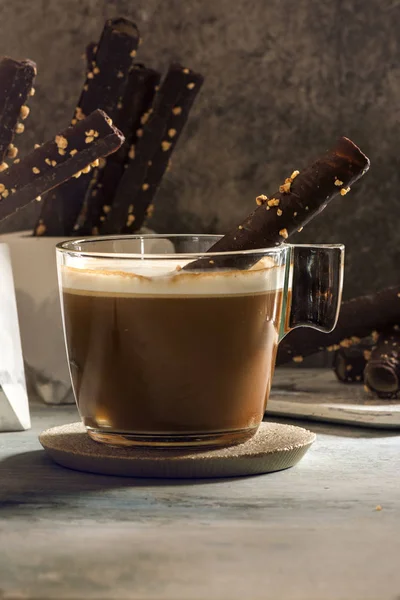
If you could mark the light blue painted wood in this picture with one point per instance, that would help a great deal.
(309, 533)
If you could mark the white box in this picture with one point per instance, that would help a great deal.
(35, 276)
(36, 287)
(14, 407)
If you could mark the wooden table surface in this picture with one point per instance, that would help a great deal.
(309, 533)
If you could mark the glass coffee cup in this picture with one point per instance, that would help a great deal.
(162, 355)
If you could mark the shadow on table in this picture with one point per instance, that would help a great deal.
(32, 477)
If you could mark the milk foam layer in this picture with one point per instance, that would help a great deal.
(161, 278)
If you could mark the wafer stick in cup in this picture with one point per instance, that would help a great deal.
(152, 136)
(104, 87)
(16, 85)
(143, 202)
(90, 54)
(44, 169)
(139, 94)
(359, 318)
(302, 196)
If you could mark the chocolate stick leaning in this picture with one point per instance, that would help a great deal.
(90, 55)
(138, 97)
(104, 88)
(358, 318)
(44, 168)
(16, 84)
(152, 137)
(300, 198)
(382, 373)
(143, 206)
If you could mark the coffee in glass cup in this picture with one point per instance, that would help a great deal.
(161, 355)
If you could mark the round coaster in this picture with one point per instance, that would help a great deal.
(274, 447)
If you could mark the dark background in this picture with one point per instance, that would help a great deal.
(284, 78)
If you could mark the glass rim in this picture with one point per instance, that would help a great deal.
(68, 247)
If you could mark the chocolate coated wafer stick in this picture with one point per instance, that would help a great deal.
(16, 84)
(104, 88)
(151, 136)
(382, 372)
(90, 54)
(46, 167)
(112, 60)
(358, 318)
(159, 163)
(349, 363)
(139, 94)
(300, 198)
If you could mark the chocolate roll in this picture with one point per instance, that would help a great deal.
(16, 84)
(299, 199)
(111, 62)
(143, 203)
(349, 363)
(104, 89)
(70, 153)
(382, 372)
(359, 318)
(152, 136)
(138, 98)
(90, 55)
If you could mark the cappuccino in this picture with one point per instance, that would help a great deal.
(157, 353)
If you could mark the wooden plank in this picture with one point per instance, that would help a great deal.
(310, 532)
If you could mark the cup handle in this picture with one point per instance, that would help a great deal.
(316, 276)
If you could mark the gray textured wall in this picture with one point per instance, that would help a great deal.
(283, 79)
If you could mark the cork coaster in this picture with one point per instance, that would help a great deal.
(273, 448)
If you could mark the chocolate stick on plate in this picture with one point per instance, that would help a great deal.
(16, 84)
(382, 373)
(104, 89)
(299, 199)
(359, 318)
(44, 168)
(349, 362)
(138, 97)
(152, 136)
(143, 206)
